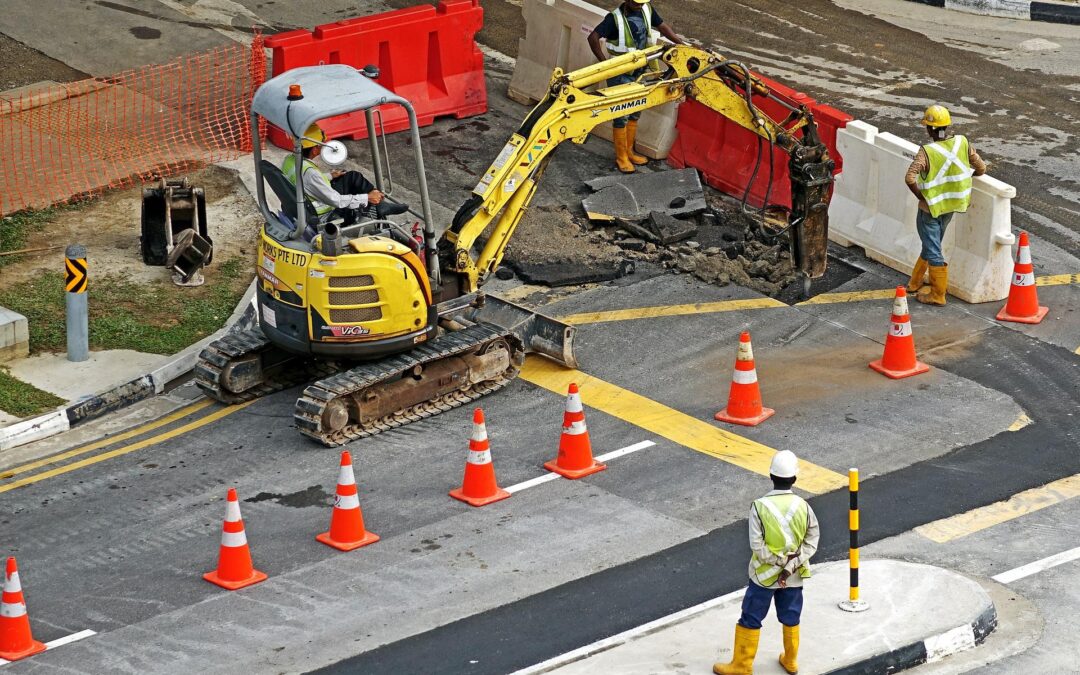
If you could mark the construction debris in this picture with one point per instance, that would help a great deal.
(633, 197)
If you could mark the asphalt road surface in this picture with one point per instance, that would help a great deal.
(116, 538)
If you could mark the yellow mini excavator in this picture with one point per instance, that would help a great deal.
(394, 328)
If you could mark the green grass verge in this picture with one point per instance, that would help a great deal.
(15, 230)
(157, 318)
(24, 400)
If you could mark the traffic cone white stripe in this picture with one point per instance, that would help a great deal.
(900, 306)
(12, 610)
(575, 428)
(12, 585)
(479, 457)
(1024, 279)
(233, 539)
(479, 433)
(744, 376)
(345, 475)
(232, 512)
(346, 502)
(573, 403)
(902, 329)
(1023, 256)
(745, 353)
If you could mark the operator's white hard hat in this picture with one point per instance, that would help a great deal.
(784, 464)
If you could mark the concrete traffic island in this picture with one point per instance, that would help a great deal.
(918, 613)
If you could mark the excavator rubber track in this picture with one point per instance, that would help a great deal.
(312, 406)
(219, 354)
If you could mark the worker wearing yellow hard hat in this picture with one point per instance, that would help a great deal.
(347, 192)
(634, 24)
(784, 535)
(940, 178)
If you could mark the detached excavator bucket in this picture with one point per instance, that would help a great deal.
(540, 334)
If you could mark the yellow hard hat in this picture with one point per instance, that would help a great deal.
(937, 116)
(641, 2)
(315, 133)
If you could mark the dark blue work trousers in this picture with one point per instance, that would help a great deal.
(755, 605)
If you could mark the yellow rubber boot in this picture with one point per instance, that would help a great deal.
(631, 135)
(742, 658)
(917, 276)
(618, 136)
(791, 649)
(939, 282)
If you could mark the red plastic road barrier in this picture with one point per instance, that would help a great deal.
(726, 153)
(426, 55)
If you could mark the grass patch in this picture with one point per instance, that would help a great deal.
(22, 399)
(157, 318)
(15, 230)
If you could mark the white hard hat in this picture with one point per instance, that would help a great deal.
(784, 464)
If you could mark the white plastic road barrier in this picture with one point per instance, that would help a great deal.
(871, 207)
(556, 36)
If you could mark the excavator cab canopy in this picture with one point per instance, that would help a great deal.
(324, 92)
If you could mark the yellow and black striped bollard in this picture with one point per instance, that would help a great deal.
(853, 603)
(75, 305)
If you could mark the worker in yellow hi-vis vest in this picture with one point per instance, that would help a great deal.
(783, 537)
(634, 24)
(940, 178)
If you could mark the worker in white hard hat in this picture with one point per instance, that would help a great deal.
(632, 25)
(783, 537)
(347, 192)
(940, 178)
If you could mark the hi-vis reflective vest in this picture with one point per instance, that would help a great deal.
(626, 42)
(784, 519)
(947, 185)
(288, 167)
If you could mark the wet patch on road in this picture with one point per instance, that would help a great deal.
(312, 496)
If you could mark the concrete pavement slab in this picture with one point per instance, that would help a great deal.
(910, 604)
(75, 380)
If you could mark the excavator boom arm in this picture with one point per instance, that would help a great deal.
(570, 112)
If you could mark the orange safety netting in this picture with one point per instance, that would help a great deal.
(62, 141)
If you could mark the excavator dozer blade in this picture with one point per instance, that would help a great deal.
(540, 334)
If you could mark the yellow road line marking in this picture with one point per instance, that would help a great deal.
(1077, 350)
(673, 425)
(672, 310)
(145, 443)
(763, 303)
(1022, 421)
(1020, 504)
(1057, 280)
(851, 296)
(131, 433)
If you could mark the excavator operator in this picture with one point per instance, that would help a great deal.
(348, 193)
(632, 25)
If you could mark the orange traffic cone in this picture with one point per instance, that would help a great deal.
(899, 358)
(347, 521)
(478, 487)
(744, 398)
(16, 641)
(575, 458)
(1023, 303)
(234, 568)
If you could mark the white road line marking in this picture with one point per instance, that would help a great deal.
(539, 480)
(624, 451)
(60, 642)
(1038, 566)
(625, 636)
(533, 482)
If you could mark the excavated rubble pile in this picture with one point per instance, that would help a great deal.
(719, 245)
